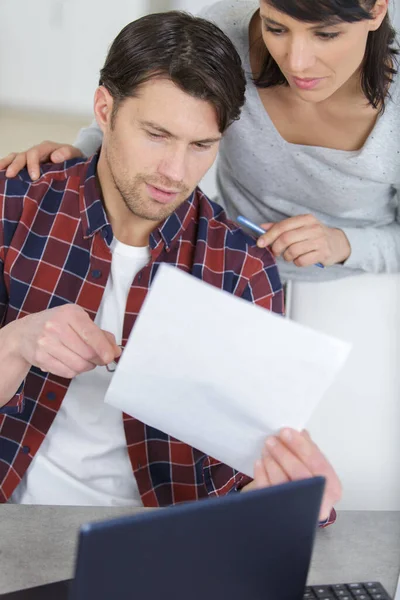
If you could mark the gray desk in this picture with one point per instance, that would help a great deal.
(37, 545)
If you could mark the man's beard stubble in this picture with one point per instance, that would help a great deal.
(142, 206)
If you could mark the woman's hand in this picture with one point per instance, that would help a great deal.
(44, 152)
(305, 241)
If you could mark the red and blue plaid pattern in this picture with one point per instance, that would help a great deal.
(54, 249)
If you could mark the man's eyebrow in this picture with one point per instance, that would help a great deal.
(164, 131)
(327, 23)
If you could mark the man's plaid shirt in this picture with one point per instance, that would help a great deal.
(55, 249)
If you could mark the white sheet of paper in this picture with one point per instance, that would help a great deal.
(218, 372)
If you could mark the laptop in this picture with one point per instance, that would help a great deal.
(251, 546)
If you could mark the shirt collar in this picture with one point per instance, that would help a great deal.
(94, 216)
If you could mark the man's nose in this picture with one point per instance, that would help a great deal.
(173, 164)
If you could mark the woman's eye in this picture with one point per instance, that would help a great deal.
(324, 35)
(273, 30)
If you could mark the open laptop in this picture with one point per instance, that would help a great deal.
(250, 546)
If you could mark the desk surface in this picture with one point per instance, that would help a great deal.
(37, 545)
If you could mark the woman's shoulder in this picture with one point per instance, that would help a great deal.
(230, 15)
(394, 90)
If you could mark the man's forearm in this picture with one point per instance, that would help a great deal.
(13, 368)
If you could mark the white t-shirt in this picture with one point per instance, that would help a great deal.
(84, 458)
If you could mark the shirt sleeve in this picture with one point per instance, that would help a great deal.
(220, 479)
(89, 139)
(16, 404)
(331, 519)
(376, 249)
(264, 288)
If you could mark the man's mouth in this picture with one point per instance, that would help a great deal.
(160, 194)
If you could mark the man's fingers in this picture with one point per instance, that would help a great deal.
(289, 463)
(306, 451)
(112, 340)
(72, 362)
(275, 473)
(260, 475)
(94, 337)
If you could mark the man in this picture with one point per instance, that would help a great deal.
(79, 248)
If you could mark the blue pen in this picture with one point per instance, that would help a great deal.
(257, 229)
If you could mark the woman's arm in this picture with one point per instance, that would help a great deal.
(375, 249)
(89, 139)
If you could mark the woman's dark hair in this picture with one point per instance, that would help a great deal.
(192, 52)
(380, 60)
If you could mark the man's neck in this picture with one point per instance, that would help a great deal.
(127, 227)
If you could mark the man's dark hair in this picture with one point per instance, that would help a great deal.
(192, 52)
(380, 60)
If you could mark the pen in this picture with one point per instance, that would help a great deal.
(257, 229)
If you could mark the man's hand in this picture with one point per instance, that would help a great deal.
(305, 241)
(291, 456)
(44, 152)
(62, 340)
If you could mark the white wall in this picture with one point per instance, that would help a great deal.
(51, 50)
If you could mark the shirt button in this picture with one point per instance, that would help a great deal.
(96, 273)
(51, 396)
(140, 276)
(26, 449)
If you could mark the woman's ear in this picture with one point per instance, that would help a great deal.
(378, 12)
(103, 107)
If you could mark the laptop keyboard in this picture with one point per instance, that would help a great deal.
(371, 590)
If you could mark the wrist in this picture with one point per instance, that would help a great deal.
(344, 247)
(12, 343)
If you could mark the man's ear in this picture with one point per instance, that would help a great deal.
(378, 12)
(103, 106)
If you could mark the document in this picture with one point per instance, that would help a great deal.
(219, 373)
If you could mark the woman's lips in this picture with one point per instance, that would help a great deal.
(307, 83)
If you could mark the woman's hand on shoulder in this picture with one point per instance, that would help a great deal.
(32, 158)
(305, 241)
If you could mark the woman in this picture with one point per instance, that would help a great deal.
(316, 155)
(317, 148)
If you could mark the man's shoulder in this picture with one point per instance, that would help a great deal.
(16, 190)
(22, 183)
(220, 232)
(19, 194)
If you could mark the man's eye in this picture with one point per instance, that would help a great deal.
(155, 136)
(273, 30)
(201, 146)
